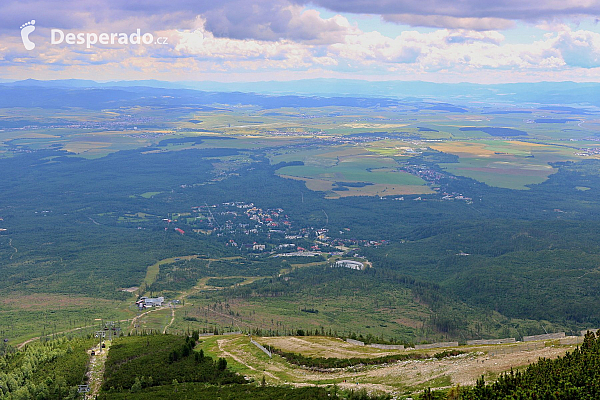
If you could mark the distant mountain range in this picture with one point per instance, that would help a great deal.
(563, 93)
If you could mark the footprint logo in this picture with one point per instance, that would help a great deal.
(26, 29)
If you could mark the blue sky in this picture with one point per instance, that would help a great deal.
(479, 41)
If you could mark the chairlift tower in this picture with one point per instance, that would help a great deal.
(113, 328)
(100, 335)
(83, 390)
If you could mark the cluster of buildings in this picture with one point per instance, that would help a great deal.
(272, 218)
(357, 242)
(425, 173)
(238, 219)
(456, 196)
(588, 151)
(250, 228)
(293, 133)
(148, 135)
(301, 253)
(244, 217)
(149, 302)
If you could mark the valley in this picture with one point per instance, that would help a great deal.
(392, 222)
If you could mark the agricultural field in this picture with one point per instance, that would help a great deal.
(86, 133)
(508, 164)
(107, 196)
(347, 171)
(336, 144)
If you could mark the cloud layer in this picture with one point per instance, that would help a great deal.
(288, 19)
(504, 9)
(287, 38)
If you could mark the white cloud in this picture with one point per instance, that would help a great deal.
(253, 54)
(579, 49)
(438, 49)
(458, 49)
(445, 21)
(373, 47)
(465, 14)
(274, 21)
(421, 55)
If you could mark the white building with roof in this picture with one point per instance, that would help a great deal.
(357, 265)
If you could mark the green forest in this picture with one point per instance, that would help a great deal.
(45, 370)
(169, 366)
(79, 235)
(138, 367)
(175, 367)
(80, 227)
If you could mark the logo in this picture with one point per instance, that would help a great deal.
(26, 29)
(89, 39)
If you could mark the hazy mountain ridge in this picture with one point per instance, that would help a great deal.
(507, 94)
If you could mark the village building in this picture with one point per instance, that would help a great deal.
(146, 302)
(357, 265)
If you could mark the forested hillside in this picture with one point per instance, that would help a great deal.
(45, 370)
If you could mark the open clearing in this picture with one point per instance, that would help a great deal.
(365, 172)
(48, 301)
(378, 189)
(154, 269)
(400, 378)
(508, 164)
(317, 346)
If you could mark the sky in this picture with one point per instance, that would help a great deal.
(480, 41)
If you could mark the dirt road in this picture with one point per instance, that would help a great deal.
(393, 378)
